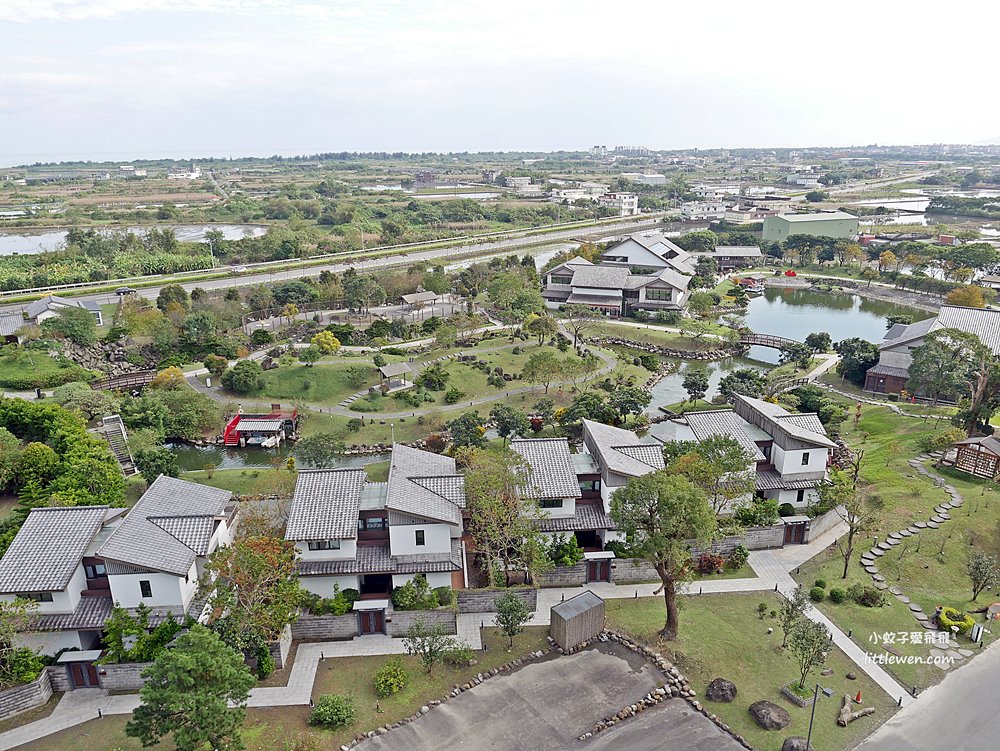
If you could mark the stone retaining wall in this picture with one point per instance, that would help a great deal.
(755, 538)
(633, 571)
(681, 354)
(399, 622)
(564, 576)
(821, 524)
(122, 676)
(325, 627)
(19, 699)
(484, 600)
(59, 678)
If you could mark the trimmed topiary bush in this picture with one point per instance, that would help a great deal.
(786, 509)
(821, 583)
(817, 594)
(391, 678)
(838, 595)
(952, 617)
(739, 557)
(333, 711)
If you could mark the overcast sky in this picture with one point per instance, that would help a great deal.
(122, 79)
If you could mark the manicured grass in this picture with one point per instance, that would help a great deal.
(324, 383)
(377, 472)
(721, 636)
(654, 336)
(287, 727)
(37, 367)
(245, 481)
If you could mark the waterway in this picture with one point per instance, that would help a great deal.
(28, 243)
(196, 457)
(792, 313)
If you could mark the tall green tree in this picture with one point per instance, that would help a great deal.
(695, 383)
(810, 643)
(542, 367)
(512, 613)
(943, 362)
(665, 516)
(720, 466)
(580, 319)
(509, 421)
(195, 692)
(859, 508)
(544, 327)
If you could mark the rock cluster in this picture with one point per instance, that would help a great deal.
(769, 715)
(714, 354)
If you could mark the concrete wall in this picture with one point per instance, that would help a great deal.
(435, 579)
(821, 524)
(279, 649)
(325, 627)
(789, 463)
(348, 550)
(564, 576)
(22, 698)
(123, 676)
(632, 571)
(484, 600)
(51, 642)
(398, 622)
(323, 585)
(402, 539)
(168, 591)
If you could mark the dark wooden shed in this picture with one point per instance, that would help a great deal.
(577, 620)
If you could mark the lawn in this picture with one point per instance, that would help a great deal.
(37, 367)
(286, 728)
(245, 481)
(377, 472)
(654, 336)
(327, 382)
(721, 636)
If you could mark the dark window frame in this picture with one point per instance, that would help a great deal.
(419, 538)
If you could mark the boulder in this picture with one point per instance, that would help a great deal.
(769, 715)
(721, 690)
(796, 743)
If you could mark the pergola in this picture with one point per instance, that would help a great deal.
(394, 376)
(979, 456)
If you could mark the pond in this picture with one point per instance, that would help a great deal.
(29, 243)
(196, 457)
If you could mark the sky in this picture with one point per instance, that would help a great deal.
(127, 79)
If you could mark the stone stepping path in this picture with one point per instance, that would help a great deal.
(916, 608)
(895, 590)
(893, 537)
(919, 525)
(879, 578)
(965, 652)
(892, 543)
(937, 518)
(903, 599)
(933, 525)
(877, 553)
(904, 533)
(881, 585)
(873, 570)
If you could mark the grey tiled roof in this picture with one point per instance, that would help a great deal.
(587, 517)
(621, 451)
(48, 548)
(551, 470)
(769, 479)
(602, 277)
(141, 542)
(737, 251)
(901, 333)
(91, 613)
(577, 298)
(193, 531)
(438, 492)
(375, 559)
(395, 369)
(10, 324)
(889, 370)
(257, 423)
(805, 427)
(807, 421)
(723, 422)
(325, 504)
(983, 322)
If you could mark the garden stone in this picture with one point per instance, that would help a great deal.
(933, 524)
(769, 715)
(852, 676)
(873, 570)
(826, 671)
(721, 689)
(881, 585)
(796, 743)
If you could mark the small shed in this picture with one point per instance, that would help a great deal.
(577, 620)
(979, 456)
(394, 377)
(417, 300)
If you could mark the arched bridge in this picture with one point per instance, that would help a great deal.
(767, 340)
(128, 382)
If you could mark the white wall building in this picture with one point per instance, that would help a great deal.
(626, 204)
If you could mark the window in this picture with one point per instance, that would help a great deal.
(37, 596)
(800, 497)
(660, 294)
(805, 458)
(95, 570)
(590, 486)
(560, 279)
(145, 589)
(418, 536)
(324, 544)
(551, 503)
(375, 522)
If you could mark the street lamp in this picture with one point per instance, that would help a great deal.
(827, 693)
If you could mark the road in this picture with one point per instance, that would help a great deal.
(959, 713)
(275, 274)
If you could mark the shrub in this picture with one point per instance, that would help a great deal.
(786, 509)
(760, 512)
(265, 663)
(821, 583)
(761, 610)
(458, 656)
(867, 596)
(391, 677)
(817, 594)
(892, 397)
(416, 594)
(710, 563)
(949, 617)
(838, 595)
(739, 557)
(260, 337)
(355, 424)
(564, 550)
(453, 395)
(333, 711)
(445, 596)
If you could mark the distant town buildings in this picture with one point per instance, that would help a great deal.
(129, 171)
(626, 204)
(645, 178)
(695, 211)
(193, 174)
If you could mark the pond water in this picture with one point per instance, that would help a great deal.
(793, 313)
(196, 457)
(29, 243)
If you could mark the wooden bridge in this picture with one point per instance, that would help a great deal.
(129, 382)
(767, 340)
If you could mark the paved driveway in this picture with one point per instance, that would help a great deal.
(549, 704)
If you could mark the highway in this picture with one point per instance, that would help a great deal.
(275, 273)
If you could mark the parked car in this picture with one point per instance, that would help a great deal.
(122, 291)
(239, 270)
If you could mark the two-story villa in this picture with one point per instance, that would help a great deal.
(613, 290)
